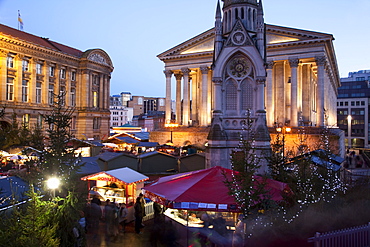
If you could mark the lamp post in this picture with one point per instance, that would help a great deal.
(283, 130)
(171, 126)
(53, 183)
(349, 119)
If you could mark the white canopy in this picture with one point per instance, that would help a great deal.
(125, 175)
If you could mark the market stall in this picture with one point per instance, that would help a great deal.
(118, 185)
(193, 197)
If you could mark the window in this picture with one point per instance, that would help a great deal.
(360, 78)
(73, 76)
(95, 99)
(39, 68)
(362, 102)
(140, 101)
(9, 88)
(39, 121)
(38, 92)
(51, 94)
(26, 120)
(73, 123)
(161, 102)
(62, 93)
(24, 91)
(346, 103)
(231, 96)
(63, 73)
(352, 103)
(51, 71)
(25, 65)
(96, 123)
(343, 95)
(73, 97)
(10, 62)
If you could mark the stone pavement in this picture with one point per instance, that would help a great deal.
(129, 238)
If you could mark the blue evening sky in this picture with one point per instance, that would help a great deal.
(134, 32)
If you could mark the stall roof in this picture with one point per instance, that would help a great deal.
(148, 144)
(125, 175)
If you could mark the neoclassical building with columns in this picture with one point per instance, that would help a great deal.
(243, 66)
(34, 69)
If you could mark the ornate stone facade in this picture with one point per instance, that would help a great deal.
(33, 69)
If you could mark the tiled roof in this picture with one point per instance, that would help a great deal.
(39, 41)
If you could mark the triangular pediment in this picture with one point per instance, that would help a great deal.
(202, 44)
(281, 35)
(239, 36)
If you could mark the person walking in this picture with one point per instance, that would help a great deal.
(123, 212)
(139, 214)
(111, 220)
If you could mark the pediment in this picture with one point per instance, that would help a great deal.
(280, 35)
(202, 44)
(239, 36)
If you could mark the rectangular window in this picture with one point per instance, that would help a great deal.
(62, 73)
(74, 123)
(95, 99)
(39, 121)
(62, 93)
(10, 62)
(38, 92)
(51, 71)
(25, 65)
(24, 91)
(73, 97)
(39, 68)
(352, 103)
(346, 103)
(96, 123)
(73, 75)
(51, 94)
(9, 88)
(26, 120)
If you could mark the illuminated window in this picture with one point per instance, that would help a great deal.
(26, 120)
(62, 93)
(24, 90)
(73, 123)
(95, 99)
(9, 88)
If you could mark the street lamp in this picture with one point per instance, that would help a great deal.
(53, 183)
(349, 119)
(283, 130)
(171, 126)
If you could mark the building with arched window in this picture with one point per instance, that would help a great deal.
(245, 67)
(35, 69)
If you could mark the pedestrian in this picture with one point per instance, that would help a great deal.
(239, 236)
(123, 212)
(139, 214)
(158, 210)
(111, 220)
(93, 215)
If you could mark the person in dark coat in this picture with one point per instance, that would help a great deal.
(139, 214)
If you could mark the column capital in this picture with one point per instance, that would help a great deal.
(185, 71)
(320, 60)
(3, 53)
(270, 64)
(204, 69)
(178, 76)
(168, 73)
(261, 79)
(293, 62)
(217, 80)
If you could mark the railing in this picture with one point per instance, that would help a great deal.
(149, 212)
(350, 237)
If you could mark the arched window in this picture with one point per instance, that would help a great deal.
(247, 95)
(229, 28)
(249, 19)
(242, 13)
(236, 14)
(231, 96)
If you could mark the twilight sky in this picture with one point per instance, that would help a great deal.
(134, 32)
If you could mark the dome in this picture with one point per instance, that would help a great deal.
(230, 2)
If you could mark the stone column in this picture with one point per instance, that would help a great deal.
(168, 74)
(270, 107)
(3, 74)
(178, 98)
(293, 62)
(280, 101)
(218, 93)
(320, 62)
(306, 93)
(185, 104)
(261, 93)
(101, 91)
(204, 98)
